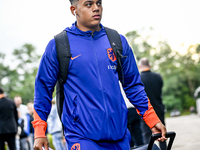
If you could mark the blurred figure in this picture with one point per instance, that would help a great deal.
(134, 123)
(23, 122)
(17, 136)
(8, 122)
(23, 135)
(30, 119)
(55, 128)
(23, 109)
(153, 87)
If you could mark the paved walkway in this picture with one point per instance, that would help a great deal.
(187, 130)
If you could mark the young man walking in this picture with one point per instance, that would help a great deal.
(94, 112)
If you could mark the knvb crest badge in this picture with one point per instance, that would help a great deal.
(111, 54)
(76, 146)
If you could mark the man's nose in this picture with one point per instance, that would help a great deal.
(95, 7)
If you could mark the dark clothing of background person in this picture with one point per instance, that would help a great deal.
(134, 126)
(8, 123)
(153, 87)
(21, 124)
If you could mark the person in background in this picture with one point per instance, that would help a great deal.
(23, 122)
(55, 128)
(8, 122)
(153, 83)
(17, 137)
(134, 123)
(30, 119)
(23, 109)
(23, 135)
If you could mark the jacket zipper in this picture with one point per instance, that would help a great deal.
(108, 130)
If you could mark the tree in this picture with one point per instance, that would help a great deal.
(179, 72)
(27, 62)
(7, 75)
(20, 80)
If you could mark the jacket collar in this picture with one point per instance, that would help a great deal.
(74, 30)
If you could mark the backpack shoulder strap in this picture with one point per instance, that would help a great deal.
(116, 44)
(63, 56)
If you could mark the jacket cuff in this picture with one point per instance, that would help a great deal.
(150, 117)
(39, 126)
(39, 129)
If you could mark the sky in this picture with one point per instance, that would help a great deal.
(37, 21)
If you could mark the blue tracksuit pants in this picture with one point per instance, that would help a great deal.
(77, 143)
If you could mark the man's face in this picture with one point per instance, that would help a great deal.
(89, 13)
(18, 101)
(30, 108)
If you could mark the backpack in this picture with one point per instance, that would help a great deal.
(64, 55)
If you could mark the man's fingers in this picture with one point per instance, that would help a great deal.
(164, 130)
(46, 147)
(160, 128)
(162, 139)
(37, 147)
(41, 144)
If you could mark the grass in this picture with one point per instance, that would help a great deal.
(186, 112)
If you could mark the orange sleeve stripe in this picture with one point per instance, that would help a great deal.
(150, 117)
(39, 126)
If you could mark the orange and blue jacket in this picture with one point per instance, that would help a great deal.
(93, 107)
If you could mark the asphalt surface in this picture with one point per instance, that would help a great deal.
(187, 130)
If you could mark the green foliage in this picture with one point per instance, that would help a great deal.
(27, 58)
(180, 72)
(20, 80)
(171, 102)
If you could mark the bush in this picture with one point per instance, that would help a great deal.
(172, 103)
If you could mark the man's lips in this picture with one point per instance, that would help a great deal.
(96, 16)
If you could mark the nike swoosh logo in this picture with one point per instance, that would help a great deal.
(72, 58)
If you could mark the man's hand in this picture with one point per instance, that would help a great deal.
(39, 143)
(159, 128)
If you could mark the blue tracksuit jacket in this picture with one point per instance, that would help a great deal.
(94, 107)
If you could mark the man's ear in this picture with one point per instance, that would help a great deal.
(73, 10)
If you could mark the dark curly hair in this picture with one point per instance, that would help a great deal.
(73, 1)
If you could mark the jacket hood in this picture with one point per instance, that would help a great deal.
(74, 30)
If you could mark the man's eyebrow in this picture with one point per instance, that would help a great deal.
(87, 1)
(91, 1)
